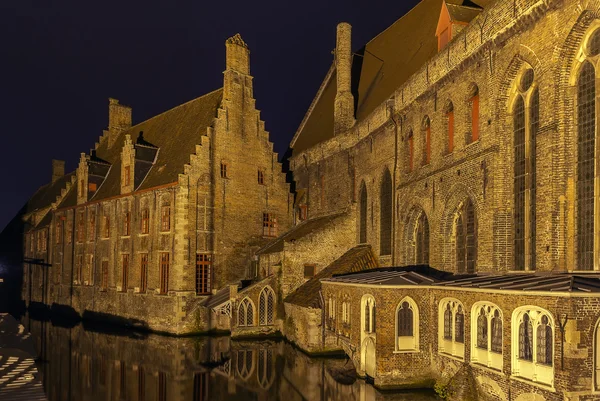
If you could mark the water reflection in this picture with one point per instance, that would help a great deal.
(84, 363)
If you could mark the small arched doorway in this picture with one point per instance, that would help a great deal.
(368, 357)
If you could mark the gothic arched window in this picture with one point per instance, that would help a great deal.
(246, 313)
(533, 344)
(486, 335)
(266, 307)
(586, 151)
(407, 326)
(363, 214)
(466, 238)
(422, 240)
(524, 181)
(385, 214)
(451, 327)
(368, 306)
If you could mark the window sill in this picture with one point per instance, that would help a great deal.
(490, 369)
(541, 385)
(458, 358)
(407, 351)
(143, 234)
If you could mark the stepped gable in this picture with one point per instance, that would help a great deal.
(359, 258)
(175, 132)
(383, 65)
(297, 232)
(47, 194)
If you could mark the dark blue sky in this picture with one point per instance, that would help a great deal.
(62, 59)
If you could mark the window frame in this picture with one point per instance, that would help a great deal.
(407, 344)
(246, 306)
(486, 356)
(267, 298)
(450, 346)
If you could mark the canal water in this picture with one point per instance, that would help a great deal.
(92, 363)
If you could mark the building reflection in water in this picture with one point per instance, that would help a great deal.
(87, 364)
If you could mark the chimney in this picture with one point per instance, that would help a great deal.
(58, 169)
(119, 119)
(343, 118)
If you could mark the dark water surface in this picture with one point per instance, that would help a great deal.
(93, 363)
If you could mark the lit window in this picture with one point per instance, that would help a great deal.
(145, 228)
(92, 187)
(246, 313)
(407, 326)
(266, 307)
(486, 335)
(451, 328)
(533, 344)
(474, 114)
(143, 272)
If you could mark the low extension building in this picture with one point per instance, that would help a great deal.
(161, 214)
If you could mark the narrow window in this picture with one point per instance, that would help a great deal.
(104, 282)
(81, 227)
(363, 214)
(385, 214)
(143, 272)
(303, 212)
(475, 117)
(497, 333)
(261, 177)
(127, 175)
(165, 217)
(586, 150)
(526, 339)
(164, 272)
(69, 232)
(482, 329)
(466, 238)
(544, 342)
(145, 228)
(141, 384)
(92, 225)
(201, 381)
(106, 226)
(90, 280)
(411, 151)
(269, 225)
(448, 322)
(519, 182)
(422, 240)
(459, 326)
(203, 272)
(123, 381)
(126, 223)
(58, 233)
(125, 272)
(405, 320)
(224, 170)
(81, 188)
(427, 148)
(79, 275)
(450, 122)
(246, 313)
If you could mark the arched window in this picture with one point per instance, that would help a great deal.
(266, 306)
(451, 328)
(486, 335)
(526, 102)
(368, 316)
(474, 103)
(331, 313)
(246, 313)
(422, 240)
(427, 141)
(411, 151)
(407, 326)
(466, 238)
(245, 363)
(363, 214)
(533, 344)
(586, 152)
(385, 214)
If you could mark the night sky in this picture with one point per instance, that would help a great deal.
(62, 59)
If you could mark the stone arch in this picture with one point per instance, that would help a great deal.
(410, 234)
(458, 196)
(363, 209)
(386, 202)
(368, 357)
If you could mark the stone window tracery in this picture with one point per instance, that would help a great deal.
(266, 307)
(533, 344)
(525, 126)
(451, 327)
(246, 313)
(368, 314)
(486, 335)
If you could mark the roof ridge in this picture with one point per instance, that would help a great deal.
(174, 108)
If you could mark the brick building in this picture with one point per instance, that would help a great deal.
(160, 214)
(462, 137)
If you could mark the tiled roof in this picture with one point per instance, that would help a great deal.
(359, 258)
(175, 132)
(47, 194)
(301, 230)
(383, 65)
(527, 282)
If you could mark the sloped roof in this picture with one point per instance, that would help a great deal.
(359, 258)
(409, 275)
(175, 132)
(301, 230)
(47, 194)
(387, 61)
(459, 13)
